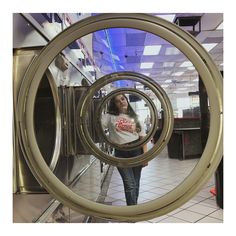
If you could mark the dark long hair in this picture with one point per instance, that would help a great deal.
(113, 110)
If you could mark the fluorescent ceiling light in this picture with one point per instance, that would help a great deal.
(140, 86)
(168, 81)
(146, 65)
(186, 64)
(172, 51)
(168, 64)
(166, 73)
(147, 74)
(191, 68)
(79, 53)
(209, 46)
(179, 92)
(115, 57)
(169, 17)
(105, 42)
(151, 50)
(178, 73)
(89, 68)
(189, 85)
(181, 89)
(220, 27)
(165, 85)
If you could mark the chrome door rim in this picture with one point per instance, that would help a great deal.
(167, 126)
(58, 131)
(213, 83)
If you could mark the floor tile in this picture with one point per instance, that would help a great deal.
(173, 220)
(210, 202)
(189, 216)
(158, 219)
(161, 176)
(201, 209)
(209, 220)
(217, 214)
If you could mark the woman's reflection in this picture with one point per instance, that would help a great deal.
(125, 128)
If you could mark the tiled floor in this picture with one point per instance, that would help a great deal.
(160, 176)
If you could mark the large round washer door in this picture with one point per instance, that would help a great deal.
(212, 80)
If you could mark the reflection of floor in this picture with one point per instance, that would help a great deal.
(160, 176)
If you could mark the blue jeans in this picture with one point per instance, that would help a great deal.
(130, 176)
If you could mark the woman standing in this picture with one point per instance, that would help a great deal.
(124, 128)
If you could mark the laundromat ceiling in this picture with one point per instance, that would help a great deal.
(124, 49)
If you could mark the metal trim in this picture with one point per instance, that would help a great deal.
(213, 83)
(167, 127)
(153, 111)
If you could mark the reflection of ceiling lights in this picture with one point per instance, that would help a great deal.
(147, 74)
(89, 68)
(181, 89)
(165, 85)
(177, 91)
(172, 51)
(186, 64)
(209, 46)
(115, 57)
(146, 65)
(166, 73)
(168, 64)
(105, 42)
(220, 27)
(168, 81)
(191, 68)
(189, 85)
(139, 86)
(151, 50)
(169, 17)
(79, 53)
(178, 73)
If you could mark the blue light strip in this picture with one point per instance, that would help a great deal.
(110, 48)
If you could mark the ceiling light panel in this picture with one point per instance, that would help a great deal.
(181, 89)
(220, 27)
(115, 57)
(209, 46)
(89, 68)
(178, 73)
(146, 65)
(189, 85)
(179, 92)
(169, 17)
(172, 51)
(151, 50)
(147, 74)
(191, 68)
(168, 64)
(165, 85)
(105, 42)
(186, 64)
(166, 73)
(79, 53)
